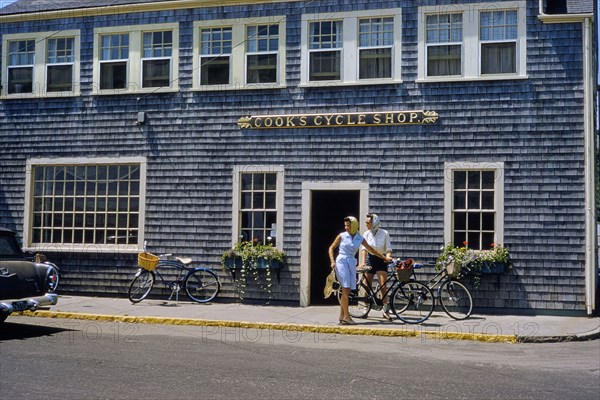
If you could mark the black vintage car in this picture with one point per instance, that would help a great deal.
(24, 284)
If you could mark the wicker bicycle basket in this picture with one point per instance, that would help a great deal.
(147, 261)
(453, 269)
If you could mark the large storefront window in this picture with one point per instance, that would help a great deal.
(86, 205)
(259, 201)
(474, 204)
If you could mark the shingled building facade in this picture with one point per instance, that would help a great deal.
(194, 124)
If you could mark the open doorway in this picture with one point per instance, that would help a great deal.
(328, 209)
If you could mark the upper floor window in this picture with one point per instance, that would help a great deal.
(85, 204)
(351, 48)
(235, 54)
(37, 64)
(472, 41)
(498, 36)
(140, 58)
(60, 62)
(474, 199)
(262, 48)
(325, 50)
(157, 59)
(375, 44)
(444, 44)
(215, 56)
(114, 57)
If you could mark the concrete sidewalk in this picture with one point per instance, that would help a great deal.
(490, 328)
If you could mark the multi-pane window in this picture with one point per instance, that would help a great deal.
(376, 41)
(59, 64)
(444, 44)
(21, 60)
(262, 46)
(498, 31)
(258, 207)
(325, 50)
(350, 48)
(86, 204)
(136, 58)
(215, 56)
(240, 53)
(474, 41)
(114, 56)
(474, 208)
(156, 59)
(40, 64)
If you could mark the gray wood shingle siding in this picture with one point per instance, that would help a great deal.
(192, 142)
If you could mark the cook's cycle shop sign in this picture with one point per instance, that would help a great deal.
(417, 117)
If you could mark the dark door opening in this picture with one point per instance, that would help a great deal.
(328, 209)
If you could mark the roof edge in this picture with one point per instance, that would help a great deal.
(127, 8)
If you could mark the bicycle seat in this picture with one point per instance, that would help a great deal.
(184, 260)
(360, 270)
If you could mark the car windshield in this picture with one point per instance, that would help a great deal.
(9, 248)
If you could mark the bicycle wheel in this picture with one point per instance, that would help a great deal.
(412, 302)
(456, 299)
(202, 285)
(357, 308)
(141, 285)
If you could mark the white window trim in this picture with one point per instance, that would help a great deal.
(471, 49)
(84, 248)
(235, 212)
(350, 59)
(40, 64)
(449, 168)
(238, 53)
(134, 64)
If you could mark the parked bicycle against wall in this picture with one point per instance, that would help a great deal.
(410, 301)
(454, 297)
(200, 284)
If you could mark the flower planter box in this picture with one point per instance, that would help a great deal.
(492, 267)
(234, 264)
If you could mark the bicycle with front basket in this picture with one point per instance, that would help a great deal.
(200, 284)
(454, 297)
(410, 301)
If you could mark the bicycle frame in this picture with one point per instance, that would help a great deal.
(372, 295)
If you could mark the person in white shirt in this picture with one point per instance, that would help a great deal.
(379, 239)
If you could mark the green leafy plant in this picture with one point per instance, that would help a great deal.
(247, 260)
(472, 261)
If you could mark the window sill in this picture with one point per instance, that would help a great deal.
(117, 92)
(257, 86)
(356, 83)
(90, 248)
(26, 96)
(449, 79)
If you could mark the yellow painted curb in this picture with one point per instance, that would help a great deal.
(314, 328)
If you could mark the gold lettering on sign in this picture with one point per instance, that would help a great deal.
(416, 117)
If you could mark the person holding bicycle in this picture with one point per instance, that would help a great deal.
(349, 242)
(379, 239)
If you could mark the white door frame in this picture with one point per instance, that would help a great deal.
(307, 189)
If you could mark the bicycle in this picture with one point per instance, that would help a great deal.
(455, 298)
(410, 301)
(200, 284)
